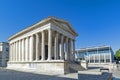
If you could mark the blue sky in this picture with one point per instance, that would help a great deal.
(96, 21)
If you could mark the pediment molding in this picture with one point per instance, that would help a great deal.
(61, 23)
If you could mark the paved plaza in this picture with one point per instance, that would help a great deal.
(6, 74)
(116, 73)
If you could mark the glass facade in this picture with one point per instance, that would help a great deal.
(95, 55)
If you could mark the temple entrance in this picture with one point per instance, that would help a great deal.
(46, 52)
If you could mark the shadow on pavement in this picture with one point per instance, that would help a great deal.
(6, 74)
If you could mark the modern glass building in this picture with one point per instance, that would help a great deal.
(102, 54)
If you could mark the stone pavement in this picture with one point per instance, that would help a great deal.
(116, 73)
(6, 74)
(94, 74)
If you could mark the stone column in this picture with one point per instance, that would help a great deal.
(27, 48)
(49, 44)
(37, 46)
(15, 51)
(19, 50)
(43, 46)
(31, 47)
(66, 49)
(70, 50)
(62, 48)
(23, 49)
(56, 46)
(73, 50)
(10, 53)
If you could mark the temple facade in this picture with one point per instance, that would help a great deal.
(47, 46)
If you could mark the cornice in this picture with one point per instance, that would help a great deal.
(43, 22)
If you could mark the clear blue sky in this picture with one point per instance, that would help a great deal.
(96, 21)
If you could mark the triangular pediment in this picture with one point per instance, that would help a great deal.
(64, 24)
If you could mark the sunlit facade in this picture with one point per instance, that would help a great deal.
(102, 54)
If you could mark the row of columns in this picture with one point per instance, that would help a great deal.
(33, 47)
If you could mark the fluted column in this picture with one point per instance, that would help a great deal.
(66, 48)
(19, 50)
(27, 49)
(56, 46)
(62, 48)
(31, 47)
(15, 51)
(37, 46)
(10, 53)
(43, 46)
(73, 50)
(23, 49)
(49, 44)
(70, 50)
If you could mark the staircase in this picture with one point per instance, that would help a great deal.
(75, 67)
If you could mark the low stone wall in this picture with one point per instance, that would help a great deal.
(89, 76)
(59, 67)
(110, 66)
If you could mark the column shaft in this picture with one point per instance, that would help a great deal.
(37, 46)
(19, 50)
(15, 51)
(26, 47)
(49, 44)
(62, 48)
(66, 48)
(73, 50)
(43, 46)
(70, 50)
(56, 46)
(31, 47)
(10, 53)
(23, 49)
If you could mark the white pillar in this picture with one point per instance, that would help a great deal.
(31, 47)
(20, 50)
(10, 53)
(66, 48)
(37, 46)
(27, 49)
(43, 46)
(56, 46)
(11, 50)
(15, 51)
(73, 50)
(49, 44)
(23, 49)
(62, 48)
(70, 50)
